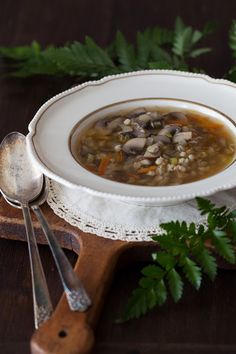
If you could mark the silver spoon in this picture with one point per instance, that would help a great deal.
(21, 182)
(40, 199)
(77, 297)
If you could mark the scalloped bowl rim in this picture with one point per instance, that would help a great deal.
(165, 199)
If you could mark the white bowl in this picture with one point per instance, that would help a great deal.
(52, 131)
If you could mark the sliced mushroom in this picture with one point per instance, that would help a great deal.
(139, 131)
(145, 162)
(155, 116)
(169, 153)
(154, 120)
(101, 125)
(178, 115)
(126, 129)
(162, 139)
(114, 123)
(153, 149)
(137, 112)
(84, 150)
(137, 165)
(182, 137)
(169, 130)
(143, 120)
(108, 125)
(134, 145)
(150, 140)
(149, 155)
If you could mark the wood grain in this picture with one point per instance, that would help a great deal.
(72, 332)
(67, 331)
(198, 324)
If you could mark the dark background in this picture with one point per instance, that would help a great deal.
(202, 322)
(58, 21)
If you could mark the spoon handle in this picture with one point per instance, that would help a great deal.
(75, 292)
(41, 298)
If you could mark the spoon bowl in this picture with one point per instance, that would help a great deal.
(39, 200)
(20, 181)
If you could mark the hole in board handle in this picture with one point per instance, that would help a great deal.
(62, 334)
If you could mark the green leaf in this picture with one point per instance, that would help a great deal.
(183, 245)
(161, 292)
(159, 65)
(125, 52)
(79, 52)
(137, 305)
(144, 299)
(207, 207)
(166, 260)
(146, 282)
(20, 53)
(61, 59)
(192, 272)
(153, 271)
(232, 74)
(175, 284)
(182, 42)
(233, 214)
(161, 36)
(151, 298)
(232, 229)
(179, 25)
(174, 246)
(96, 53)
(192, 229)
(159, 54)
(232, 36)
(143, 50)
(197, 35)
(223, 245)
(180, 63)
(201, 230)
(185, 38)
(208, 263)
(195, 53)
(175, 228)
(153, 50)
(209, 28)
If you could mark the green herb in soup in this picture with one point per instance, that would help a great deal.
(155, 147)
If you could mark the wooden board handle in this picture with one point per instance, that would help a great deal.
(70, 332)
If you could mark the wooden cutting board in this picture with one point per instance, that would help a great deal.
(70, 332)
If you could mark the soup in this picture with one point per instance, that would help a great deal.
(155, 147)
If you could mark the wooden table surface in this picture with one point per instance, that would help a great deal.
(202, 322)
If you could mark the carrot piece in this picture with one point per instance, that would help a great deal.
(132, 175)
(146, 169)
(119, 156)
(174, 121)
(91, 168)
(103, 165)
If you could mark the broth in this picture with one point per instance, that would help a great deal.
(153, 147)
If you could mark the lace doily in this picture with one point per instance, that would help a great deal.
(120, 221)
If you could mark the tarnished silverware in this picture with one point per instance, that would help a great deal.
(77, 296)
(21, 182)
